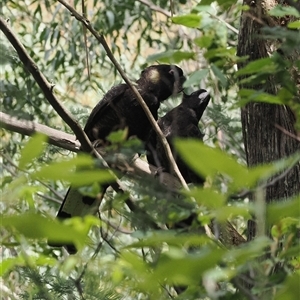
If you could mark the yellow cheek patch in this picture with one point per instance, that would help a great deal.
(154, 76)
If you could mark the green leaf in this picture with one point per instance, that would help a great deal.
(263, 65)
(84, 174)
(171, 56)
(32, 149)
(247, 252)
(247, 95)
(294, 25)
(157, 238)
(281, 11)
(206, 197)
(212, 161)
(186, 268)
(190, 20)
(262, 173)
(219, 74)
(36, 226)
(282, 209)
(290, 289)
(90, 190)
(204, 41)
(117, 136)
(9, 264)
(224, 213)
(196, 77)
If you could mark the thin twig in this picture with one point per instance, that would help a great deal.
(246, 193)
(245, 291)
(172, 8)
(156, 8)
(116, 227)
(104, 237)
(49, 198)
(85, 41)
(79, 288)
(146, 109)
(233, 29)
(297, 138)
(27, 172)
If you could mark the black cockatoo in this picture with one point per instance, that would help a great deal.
(181, 121)
(117, 110)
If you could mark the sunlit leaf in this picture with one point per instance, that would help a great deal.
(247, 95)
(32, 149)
(207, 197)
(77, 171)
(117, 136)
(247, 252)
(224, 213)
(209, 161)
(204, 41)
(196, 77)
(219, 74)
(281, 11)
(186, 268)
(190, 20)
(36, 226)
(9, 264)
(156, 238)
(263, 172)
(291, 288)
(282, 209)
(263, 65)
(294, 25)
(171, 56)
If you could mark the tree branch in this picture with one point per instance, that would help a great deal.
(55, 137)
(156, 8)
(146, 109)
(45, 86)
(68, 142)
(137, 167)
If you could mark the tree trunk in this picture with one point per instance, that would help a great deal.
(268, 129)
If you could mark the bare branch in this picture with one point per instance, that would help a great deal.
(68, 142)
(55, 137)
(233, 29)
(45, 86)
(152, 121)
(297, 138)
(243, 289)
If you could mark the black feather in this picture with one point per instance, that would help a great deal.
(119, 109)
(182, 121)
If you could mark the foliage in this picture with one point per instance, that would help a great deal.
(124, 256)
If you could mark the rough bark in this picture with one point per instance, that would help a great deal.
(268, 129)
